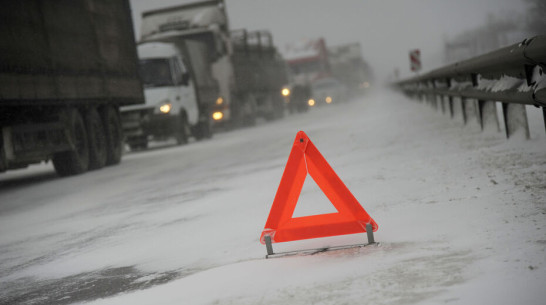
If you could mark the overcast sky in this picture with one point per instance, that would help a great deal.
(386, 29)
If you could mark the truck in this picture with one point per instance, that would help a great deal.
(259, 70)
(349, 67)
(171, 108)
(308, 62)
(231, 71)
(66, 67)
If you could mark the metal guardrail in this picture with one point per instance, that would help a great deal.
(514, 75)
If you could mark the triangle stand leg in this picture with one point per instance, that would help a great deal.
(369, 232)
(268, 245)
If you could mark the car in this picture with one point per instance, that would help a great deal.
(328, 90)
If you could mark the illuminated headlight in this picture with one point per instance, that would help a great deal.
(328, 99)
(165, 108)
(217, 115)
(285, 92)
(219, 101)
(311, 102)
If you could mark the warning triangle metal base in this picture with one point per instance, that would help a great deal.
(271, 254)
(316, 251)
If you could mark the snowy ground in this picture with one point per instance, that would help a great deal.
(461, 217)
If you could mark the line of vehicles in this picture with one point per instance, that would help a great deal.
(199, 75)
(74, 84)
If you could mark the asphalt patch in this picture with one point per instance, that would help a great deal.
(81, 287)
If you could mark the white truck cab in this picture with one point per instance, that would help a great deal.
(171, 107)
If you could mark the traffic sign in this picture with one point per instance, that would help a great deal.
(415, 60)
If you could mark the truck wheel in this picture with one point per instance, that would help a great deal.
(75, 161)
(138, 143)
(181, 128)
(114, 135)
(97, 140)
(203, 130)
(303, 106)
(268, 103)
(250, 120)
(279, 108)
(251, 111)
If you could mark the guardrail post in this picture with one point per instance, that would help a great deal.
(472, 113)
(515, 119)
(450, 100)
(488, 115)
(463, 109)
(433, 96)
(427, 93)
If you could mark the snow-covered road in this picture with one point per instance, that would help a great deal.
(461, 215)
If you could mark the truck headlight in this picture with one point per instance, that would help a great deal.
(217, 116)
(285, 92)
(328, 99)
(311, 102)
(165, 108)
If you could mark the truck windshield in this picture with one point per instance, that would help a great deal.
(156, 72)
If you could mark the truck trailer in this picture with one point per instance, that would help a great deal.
(66, 66)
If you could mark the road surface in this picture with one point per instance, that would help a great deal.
(461, 217)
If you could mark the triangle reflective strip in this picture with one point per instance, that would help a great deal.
(305, 158)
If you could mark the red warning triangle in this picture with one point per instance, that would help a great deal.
(281, 226)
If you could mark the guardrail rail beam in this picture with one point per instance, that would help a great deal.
(514, 75)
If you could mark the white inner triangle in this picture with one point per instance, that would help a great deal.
(312, 200)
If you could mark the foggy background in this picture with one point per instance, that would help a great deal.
(386, 30)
